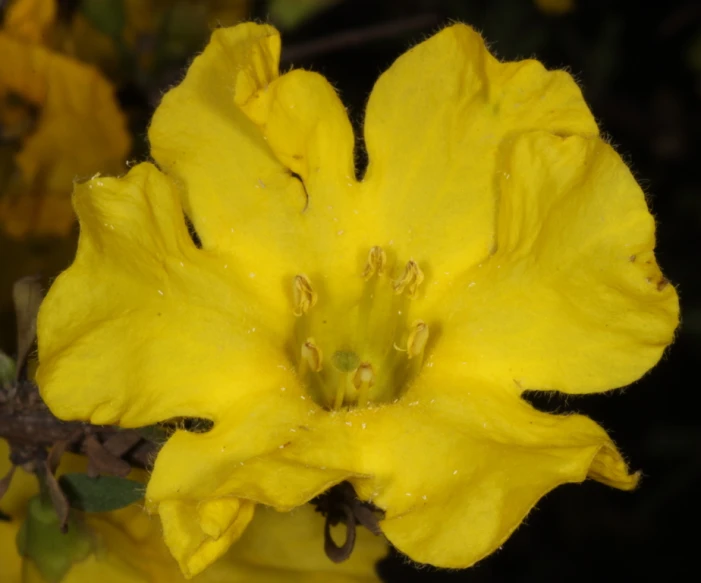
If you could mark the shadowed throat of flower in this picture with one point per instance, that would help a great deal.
(368, 353)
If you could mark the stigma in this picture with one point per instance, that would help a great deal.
(364, 350)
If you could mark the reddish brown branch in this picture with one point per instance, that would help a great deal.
(357, 36)
(27, 424)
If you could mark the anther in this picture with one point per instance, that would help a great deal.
(410, 280)
(377, 259)
(418, 337)
(311, 356)
(304, 296)
(363, 379)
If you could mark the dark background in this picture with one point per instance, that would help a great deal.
(639, 65)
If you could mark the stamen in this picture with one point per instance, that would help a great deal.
(377, 259)
(311, 356)
(363, 379)
(341, 389)
(304, 296)
(418, 337)
(410, 280)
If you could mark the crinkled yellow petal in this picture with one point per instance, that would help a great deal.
(457, 463)
(80, 130)
(435, 123)
(191, 339)
(30, 20)
(244, 455)
(289, 547)
(572, 299)
(198, 533)
(234, 135)
(144, 326)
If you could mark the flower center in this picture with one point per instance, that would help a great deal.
(365, 350)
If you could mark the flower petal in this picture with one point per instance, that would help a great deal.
(572, 300)
(244, 455)
(289, 547)
(198, 533)
(458, 468)
(143, 326)
(434, 125)
(80, 131)
(260, 158)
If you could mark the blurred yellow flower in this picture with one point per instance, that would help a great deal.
(556, 7)
(30, 20)
(79, 130)
(379, 331)
(103, 33)
(127, 546)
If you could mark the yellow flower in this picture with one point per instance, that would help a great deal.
(379, 331)
(79, 130)
(129, 547)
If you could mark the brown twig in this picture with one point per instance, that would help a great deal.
(25, 422)
(357, 36)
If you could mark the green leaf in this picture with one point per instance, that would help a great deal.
(53, 551)
(101, 494)
(7, 370)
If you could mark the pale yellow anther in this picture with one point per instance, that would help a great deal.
(410, 280)
(363, 379)
(312, 356)
(304, 296)
(418, 337)
(377, 259)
